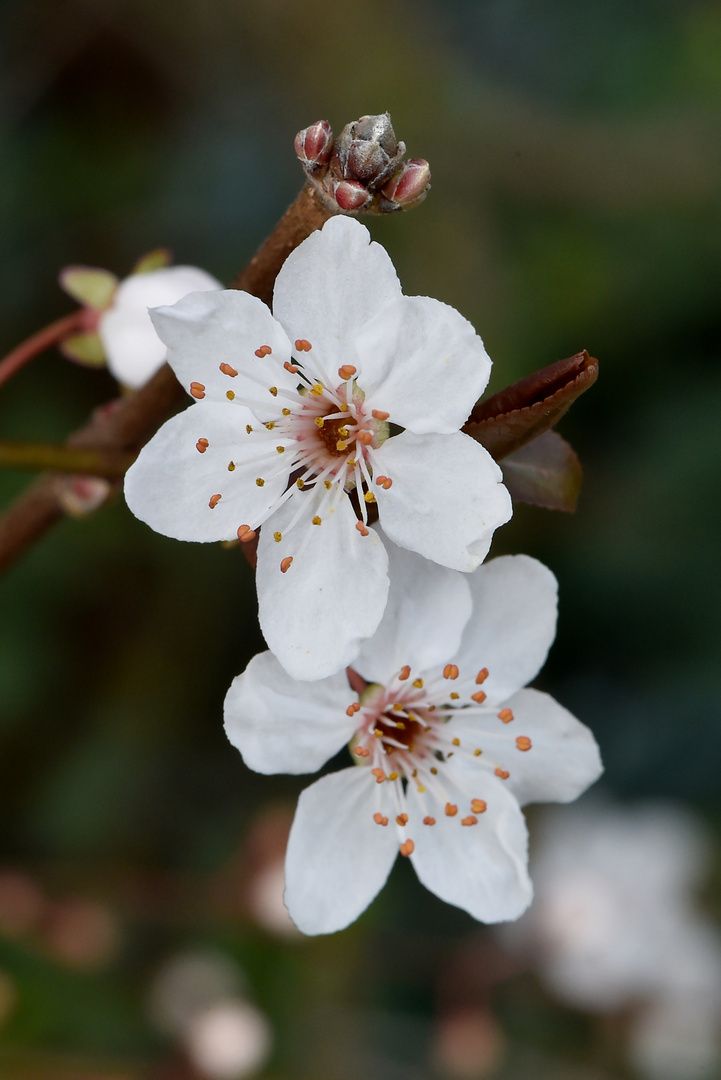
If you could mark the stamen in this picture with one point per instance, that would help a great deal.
(450, 671)
(380, 415)
(479, 806)
(319, 420)
(456, 742)
(505, 715)
(286, 412)
(353, 709)
(370, 497)
(302, 345)
(245, 533)
(269, 424)
(231, 466)
(402, 819)
(407, 848)
(228, 370)
(455, 696)
(393, 776)
(451, 809)
(379, 775)
(502, 773)
(482, 676)
(197, 390)
(285, 564)
(213, 502)
(429, 821)
(264, 350)
(300, 483)
(273, 390)
(248, 428)
(404, 672)
(361, 751)
(479, 696)
(380, 819)
(260, 481)
(384, 481)
(523, 742)
(280, 449)
(418, 683)
(347, 371)
(362, 528)
(316, 520)
(277, 536)
(202, 445)
(365, 437)
(470, 820)
(293, 369)
(477, 752)
(230, 395)
(317, 389)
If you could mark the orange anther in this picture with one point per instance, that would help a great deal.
(302, 345)
(197, 390)
(505, 715)
(202, 445)
(479, 696)
(292, 368)
(228, 370)
(264, 350)
(353, 709)
(347, 371)
(404, 672)
(470, 820)
(502, 773)
(214, 500)
(523, 742)
(245, 533)
(482, 675)
(380, 819)
(380, 415)
(407, 848)
(360, 751)
(285, 564)
(402, 819)
(478, 806)
(379, 775)
(450, 671)
(362, 528)
(451, 809)
(365, 437)
(429, 821)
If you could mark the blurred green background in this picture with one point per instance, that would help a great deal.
(576, 203)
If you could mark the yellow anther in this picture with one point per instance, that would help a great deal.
(418, 683)
(277, 536)
(316, 520)
(269, 424)
(317, 389)
(328, 484)
(456, 742)
(300, 483)
(280, 449)
(273, 390)
(231, 466)
(319, 420)
(230, 395)
(260, 481)
(248, 428)
(369, 497)
(286, 412)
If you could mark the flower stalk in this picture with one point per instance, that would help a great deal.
(37, 343)
(110, 464)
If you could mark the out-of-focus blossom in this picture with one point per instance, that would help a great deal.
(118, 330)
(81, 933)
(451, 744)
(615, 925)
(349, 397)
(22, 902)
(8, 996)
(467, 1044)
(189, 983)
(229, 1040)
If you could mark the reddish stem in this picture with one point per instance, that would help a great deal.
(74, 323)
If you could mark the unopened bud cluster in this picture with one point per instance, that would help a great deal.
(363, 169)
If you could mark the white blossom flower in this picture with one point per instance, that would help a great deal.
(614, 922)
(451, 743)
(297, 427)
(117, 328)
(133, 350)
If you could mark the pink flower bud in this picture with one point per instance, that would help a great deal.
(349, 194)
(314, 145)
(410, 183)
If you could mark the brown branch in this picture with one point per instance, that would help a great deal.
(109, 463)
(73, 323)
(135, 418)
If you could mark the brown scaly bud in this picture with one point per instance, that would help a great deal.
(314, 146)
(363, 170)
(410, 184)
(367, 150)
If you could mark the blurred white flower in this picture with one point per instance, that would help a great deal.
(229, 1040)
(451, 743)
(350, 396)
(117, 327)
(615, 925)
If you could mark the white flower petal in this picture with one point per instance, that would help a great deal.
(446, 498)
(171, 485)
(330, 286)
(423, 363)
(338, 857)
(315, 615)
(204, 330)
(428, 607)
(563, 759)
(512, 627)
(280, 725)
(133, 349)
(481, 868)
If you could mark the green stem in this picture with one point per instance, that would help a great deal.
(74, 323)
(111, 464)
